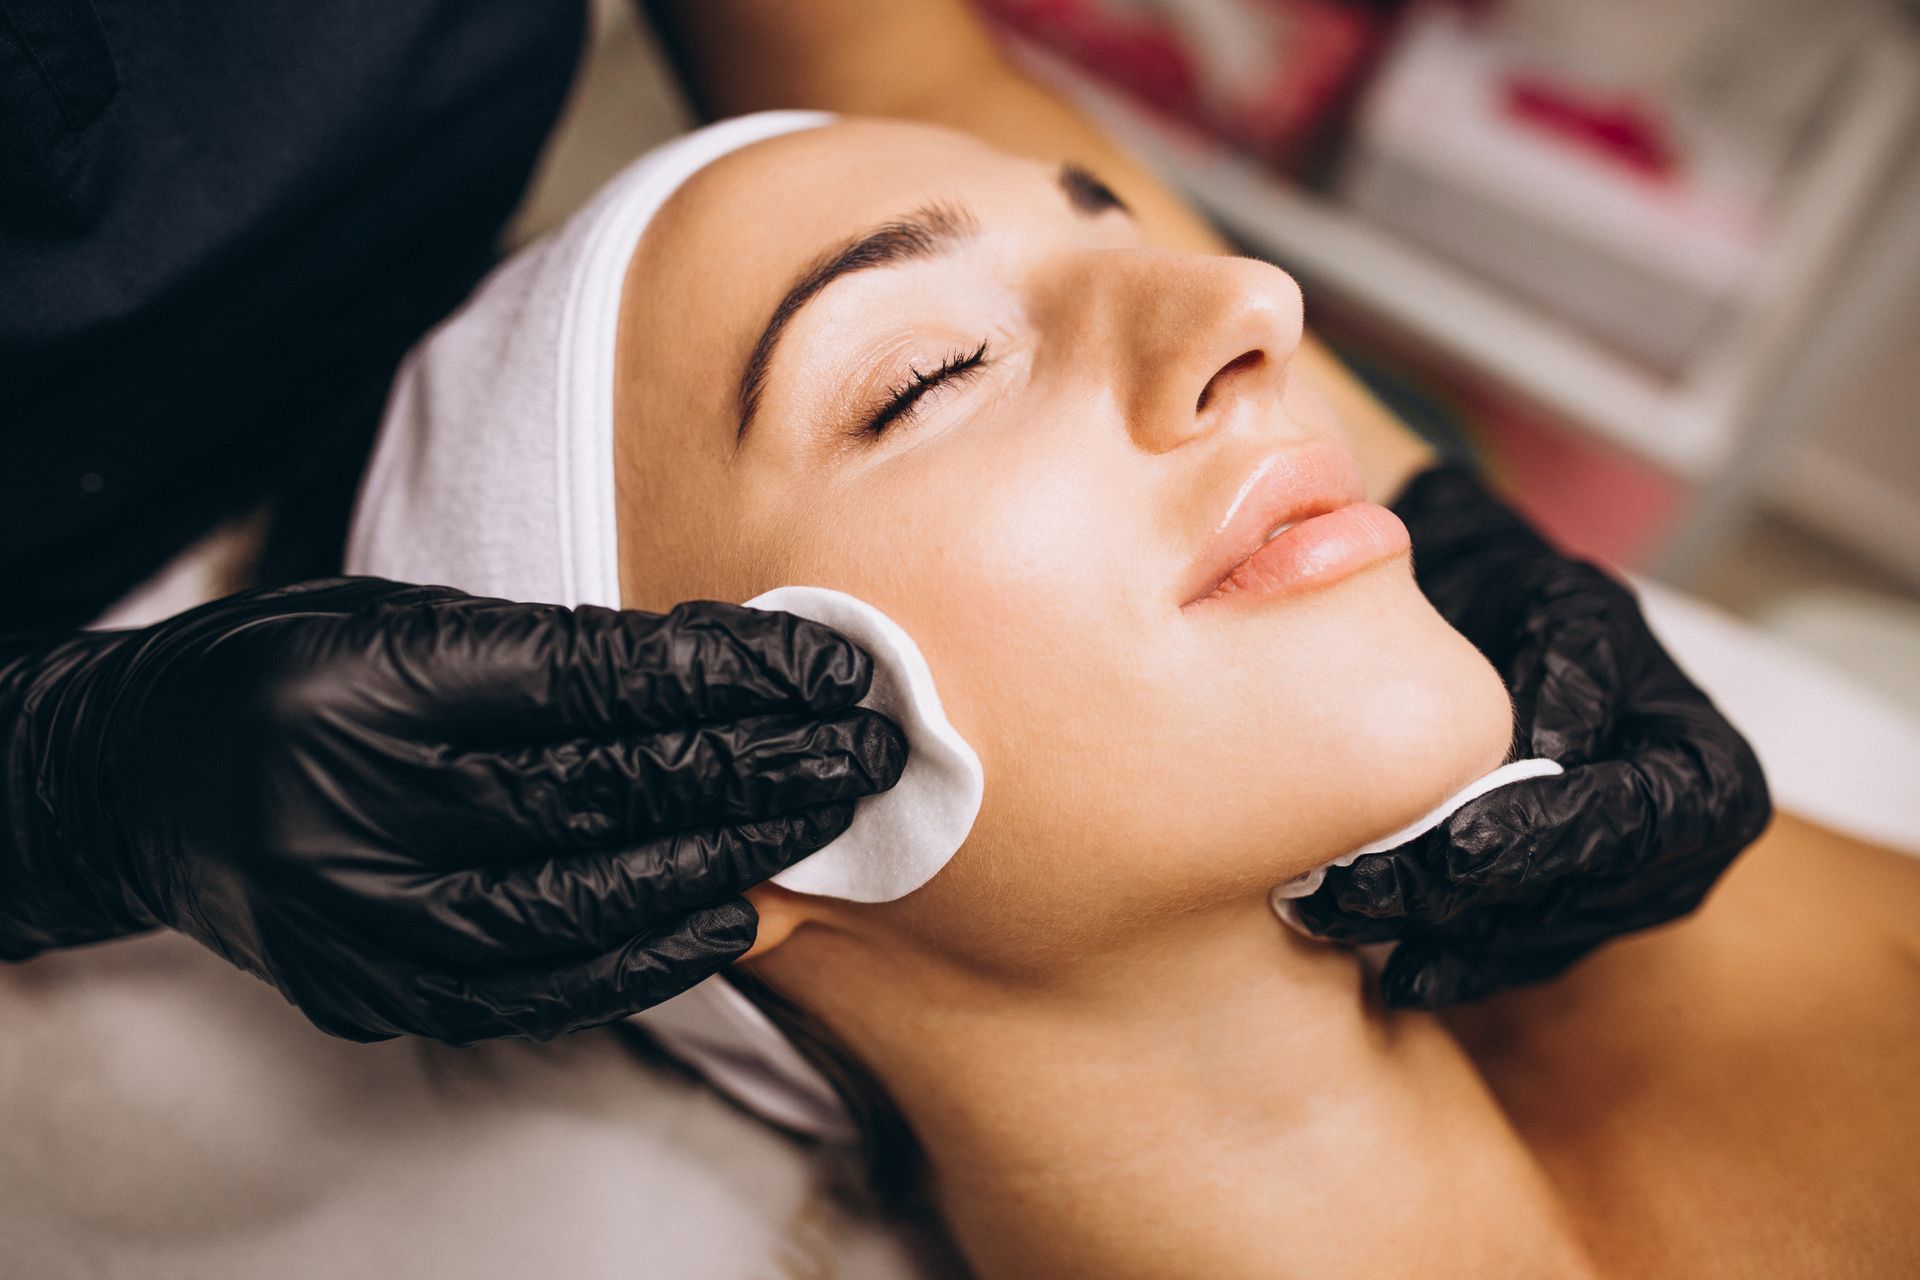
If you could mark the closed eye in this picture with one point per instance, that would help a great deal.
(1086, 193)
(903, 401)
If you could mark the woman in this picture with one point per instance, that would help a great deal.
(968, 388)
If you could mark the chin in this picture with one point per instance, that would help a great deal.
(1429, 715)
(1449, 717)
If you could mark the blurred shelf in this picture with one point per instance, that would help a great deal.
(1695, 424)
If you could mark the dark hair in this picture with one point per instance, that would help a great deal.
(886, 1173)
(893, 1162)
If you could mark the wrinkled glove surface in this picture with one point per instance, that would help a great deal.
(416, 811)
(1660, 793)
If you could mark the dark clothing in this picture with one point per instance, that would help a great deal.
(222, 222)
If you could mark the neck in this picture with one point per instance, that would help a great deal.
(1225, 1102)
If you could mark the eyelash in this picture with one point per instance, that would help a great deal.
(903, 400)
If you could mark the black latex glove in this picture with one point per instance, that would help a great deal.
(1660, 793)
(416, 811)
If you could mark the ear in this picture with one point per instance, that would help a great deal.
(781, 912)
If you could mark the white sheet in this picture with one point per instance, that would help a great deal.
(1833, 751)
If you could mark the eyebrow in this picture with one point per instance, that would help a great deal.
(921, 234)
(924, 233)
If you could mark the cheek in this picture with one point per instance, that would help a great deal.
(1141, 762)
(1305, 405)
(1013, 564)
(1006, 561)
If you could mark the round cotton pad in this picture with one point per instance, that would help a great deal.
(900, 838)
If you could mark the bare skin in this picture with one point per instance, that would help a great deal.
(1728, 1097)
(1735, 1096)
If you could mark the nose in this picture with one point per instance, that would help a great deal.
(1207, 342)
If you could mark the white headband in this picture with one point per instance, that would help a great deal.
(494, 474)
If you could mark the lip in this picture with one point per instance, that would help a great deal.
(1315, 488)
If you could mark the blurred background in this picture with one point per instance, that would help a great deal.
(1655, 262)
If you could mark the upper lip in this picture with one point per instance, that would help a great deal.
(1281, 488)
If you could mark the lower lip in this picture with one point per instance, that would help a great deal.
(1316, 552)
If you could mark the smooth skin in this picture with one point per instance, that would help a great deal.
(1119, 1062)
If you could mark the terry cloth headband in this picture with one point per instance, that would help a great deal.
(494, 474)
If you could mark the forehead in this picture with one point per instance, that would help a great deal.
(779, 202)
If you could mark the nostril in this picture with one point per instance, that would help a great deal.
(1245, 360)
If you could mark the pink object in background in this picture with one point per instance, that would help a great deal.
(1579, 195)
(1618, 128)
(1131, 50)
(1271, 77)
(1596, 501)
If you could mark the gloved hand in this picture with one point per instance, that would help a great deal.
(1659, 796)
(416, 811)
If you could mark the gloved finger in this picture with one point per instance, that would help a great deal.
(1566, 686)
(1427, 973)
(345, 593)
(345, 985)
(499, 671)
(1384, 888)
(1632, 818)
(600, 794)
(542, 1002)
(1573, 675)
(584, 904)
(1374, 888)
(1508, 845)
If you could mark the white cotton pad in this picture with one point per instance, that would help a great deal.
(1302, 885)
(901, 837)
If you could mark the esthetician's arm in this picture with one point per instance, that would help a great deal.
(932, 60)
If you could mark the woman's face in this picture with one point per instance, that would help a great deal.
(1037, 442)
